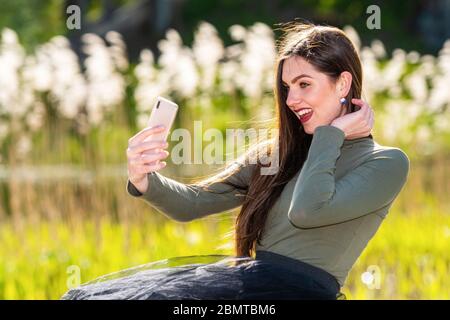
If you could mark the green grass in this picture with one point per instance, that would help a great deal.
(413, 254)
(412, 251)
(36, 258)
(48, 226)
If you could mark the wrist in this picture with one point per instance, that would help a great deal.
(336, 125)
(140, 185)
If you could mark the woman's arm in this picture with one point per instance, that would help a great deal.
(320, 200)
(186, 202)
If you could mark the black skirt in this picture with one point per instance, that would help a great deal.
(215, 277)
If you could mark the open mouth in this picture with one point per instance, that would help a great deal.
(304, 114)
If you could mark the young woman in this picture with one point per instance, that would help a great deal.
(303, 227)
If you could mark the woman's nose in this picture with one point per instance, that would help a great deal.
(293, 99)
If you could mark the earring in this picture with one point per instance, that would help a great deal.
(343, 101)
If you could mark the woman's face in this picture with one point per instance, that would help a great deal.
(312, 95)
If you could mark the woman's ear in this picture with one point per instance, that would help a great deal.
(344, 84)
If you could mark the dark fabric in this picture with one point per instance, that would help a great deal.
(269, 276)
(288, 278)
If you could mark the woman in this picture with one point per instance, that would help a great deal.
(300, 230)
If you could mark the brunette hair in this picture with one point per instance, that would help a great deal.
(330, 51)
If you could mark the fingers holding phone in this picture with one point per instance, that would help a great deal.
(145, 148)
(144, 156)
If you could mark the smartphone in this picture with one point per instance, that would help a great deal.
(163, 112)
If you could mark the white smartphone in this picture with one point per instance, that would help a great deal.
(163, 112)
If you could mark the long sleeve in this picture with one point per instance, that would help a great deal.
(319, 199)
(186, 202)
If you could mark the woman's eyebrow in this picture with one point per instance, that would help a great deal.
(298, 77)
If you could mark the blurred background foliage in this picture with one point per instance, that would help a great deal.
(412, 25)
(70, 100)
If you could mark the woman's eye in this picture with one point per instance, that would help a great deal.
(303, 84)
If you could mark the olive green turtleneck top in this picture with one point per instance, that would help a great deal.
(326, 214)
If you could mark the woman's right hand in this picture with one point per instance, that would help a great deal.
(357, 124)
(143, 157)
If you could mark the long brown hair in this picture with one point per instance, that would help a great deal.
(330, 51)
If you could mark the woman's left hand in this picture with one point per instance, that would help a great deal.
(357, 124)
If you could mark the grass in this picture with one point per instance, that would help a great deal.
(48, 226)
(57, 225)
(38, 256)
